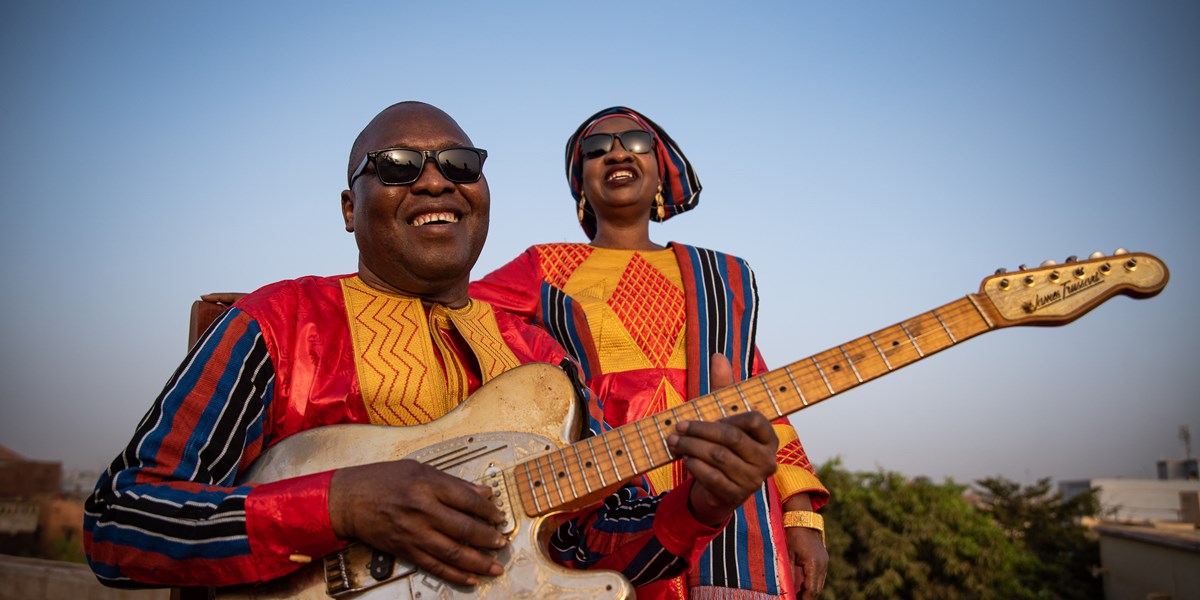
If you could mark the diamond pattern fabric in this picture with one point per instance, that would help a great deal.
(651, 309)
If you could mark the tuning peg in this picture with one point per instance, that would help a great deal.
(1120, 251)
(1096, 254)
(1021, 267)
(1001, 271)
(1071, 259)
(1048, 263)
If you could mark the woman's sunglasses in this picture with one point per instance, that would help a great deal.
(402, 166)
(636, 141)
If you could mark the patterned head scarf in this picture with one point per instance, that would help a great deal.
(681, 188)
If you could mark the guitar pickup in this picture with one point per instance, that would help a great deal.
(493, 478)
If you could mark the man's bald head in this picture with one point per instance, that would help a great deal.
(396, 115)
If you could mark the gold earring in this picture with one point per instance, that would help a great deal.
(658, 201)
(582, 202)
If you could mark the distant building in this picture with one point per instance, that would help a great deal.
(1134, 500)
(32, 512)
(18, 518)
(1159, 563)
(1178, 469)
(1150, 532)
(21, 477)
(79, 483)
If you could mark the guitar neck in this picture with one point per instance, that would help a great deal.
(583, 472)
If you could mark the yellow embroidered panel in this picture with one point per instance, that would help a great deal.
(398, 372)
(559, 261)
(396, 349)
(634, 304)
(477, 324)
(668, 476)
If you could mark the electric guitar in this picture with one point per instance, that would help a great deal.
(533, 459)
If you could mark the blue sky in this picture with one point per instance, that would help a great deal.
(872, 161)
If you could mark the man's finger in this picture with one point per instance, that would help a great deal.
(468, 498)
(806, 586)
(731, 430)
(720, 372)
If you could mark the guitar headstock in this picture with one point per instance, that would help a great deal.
(1055, 294)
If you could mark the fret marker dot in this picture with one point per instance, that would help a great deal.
(619, 452)
(894, 344)
(561, 474)
(733, 407)
(537, 484)
(588, 464)
(667, 422)
(782, 388)
(837, 367)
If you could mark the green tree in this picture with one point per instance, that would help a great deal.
(891, 537)
(1051, 529)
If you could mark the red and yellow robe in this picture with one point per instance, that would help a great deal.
(643, 325)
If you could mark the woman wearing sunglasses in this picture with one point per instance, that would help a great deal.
(643, 320)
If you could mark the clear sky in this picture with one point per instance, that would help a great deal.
(871, 160)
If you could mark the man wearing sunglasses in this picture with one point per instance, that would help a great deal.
(397, 343)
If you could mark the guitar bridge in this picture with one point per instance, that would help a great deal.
(358, 567)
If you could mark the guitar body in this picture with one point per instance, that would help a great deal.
(521, 414)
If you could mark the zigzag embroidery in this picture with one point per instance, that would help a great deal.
(393, 353)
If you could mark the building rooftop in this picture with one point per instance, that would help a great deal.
(1182, 536)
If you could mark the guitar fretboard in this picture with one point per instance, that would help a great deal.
(587, 469)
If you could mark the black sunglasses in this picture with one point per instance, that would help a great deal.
(402, 166)
(637, 141)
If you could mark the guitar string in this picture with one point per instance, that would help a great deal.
(960, 313)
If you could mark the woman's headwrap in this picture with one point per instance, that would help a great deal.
(680, 187)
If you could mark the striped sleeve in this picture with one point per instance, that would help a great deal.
(168, 511)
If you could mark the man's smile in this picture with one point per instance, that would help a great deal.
(436, 218)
